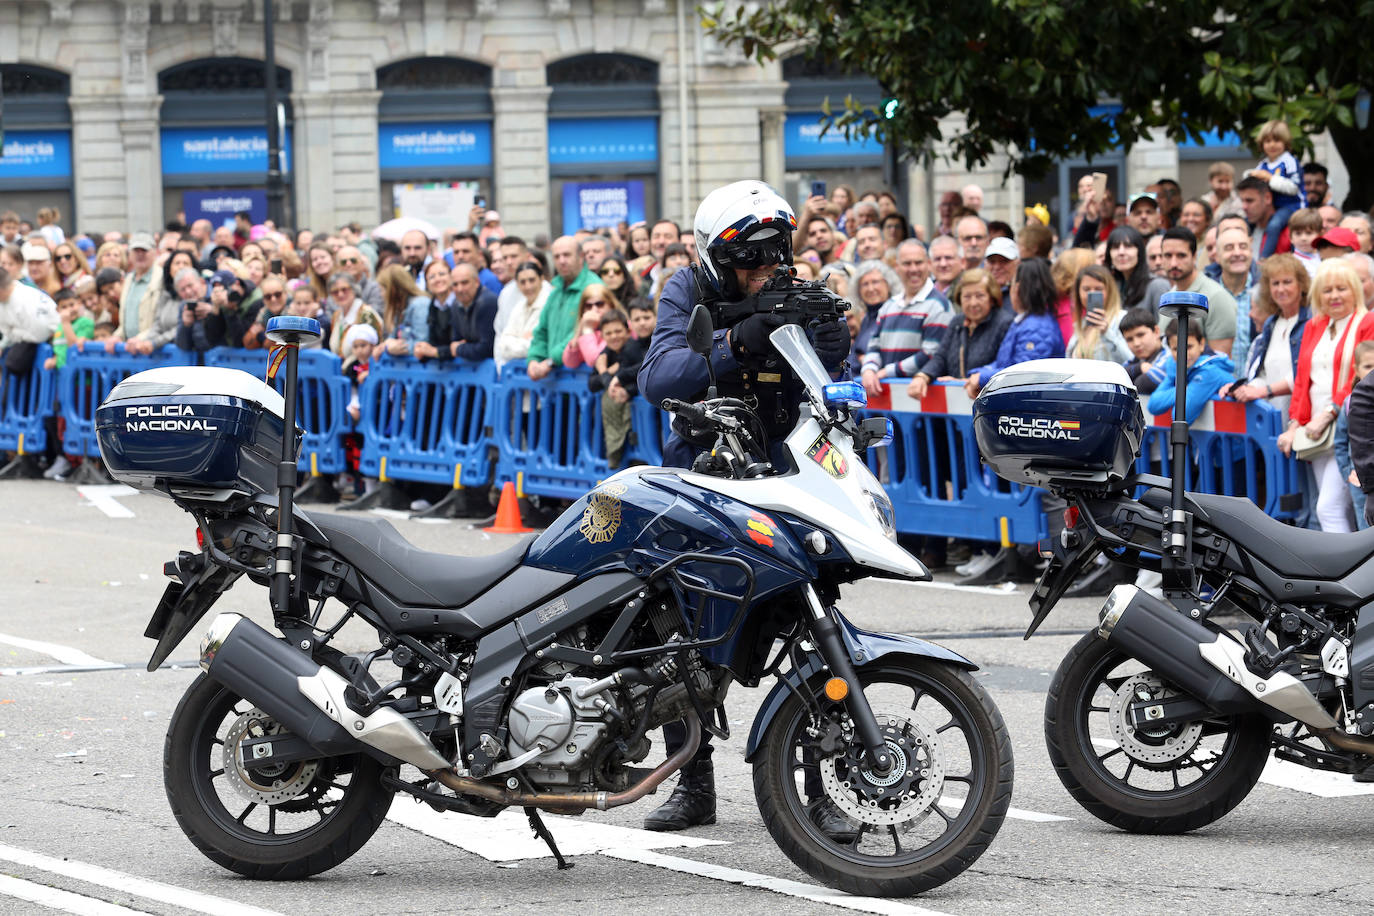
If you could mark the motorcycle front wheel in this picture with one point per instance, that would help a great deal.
(1169, 779)
(275, 822)
(908, 830)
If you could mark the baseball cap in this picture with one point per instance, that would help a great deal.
(223, 278)
(106, 276)
(491, 216)
(1148, 196)
(1003, 247)
(35, 252)
(142, 240)
(1336, 236)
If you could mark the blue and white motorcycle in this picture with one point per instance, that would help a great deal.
(534, 677)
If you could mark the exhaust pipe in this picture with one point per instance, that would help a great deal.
(306, 698)
(581, 801)
(1207, 664)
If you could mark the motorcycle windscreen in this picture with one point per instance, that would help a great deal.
(791, 343)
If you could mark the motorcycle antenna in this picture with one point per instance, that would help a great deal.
(287, 333)
(1179, 305)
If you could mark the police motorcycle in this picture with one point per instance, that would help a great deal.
(532, 678)
(1162, 718)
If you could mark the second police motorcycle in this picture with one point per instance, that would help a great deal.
(533, 677)
(1162, 719)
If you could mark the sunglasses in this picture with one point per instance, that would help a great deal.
(274, 296)
(66, 257)
(348, 260)
(598, 304)
(613, 272)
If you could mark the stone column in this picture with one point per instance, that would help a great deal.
(771, 123)
(117, 162)
(1147, 162)
(520, 154)
(335, 175)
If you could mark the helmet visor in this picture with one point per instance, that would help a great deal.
(749, 255)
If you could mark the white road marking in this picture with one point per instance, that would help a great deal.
(1006, 588)
(56, 899)
(1323, 783)
(1016, 814)
(1284, 774)
(508, 838)
(64, 654)
(104, 498)
(130, 884)
(783, 886)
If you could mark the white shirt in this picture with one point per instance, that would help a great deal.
(28, 316)
(1324, 365)
(1278, 360)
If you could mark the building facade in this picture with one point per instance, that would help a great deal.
(123, 113)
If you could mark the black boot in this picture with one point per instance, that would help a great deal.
(693, 802)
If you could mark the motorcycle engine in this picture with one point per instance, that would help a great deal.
(567, 727)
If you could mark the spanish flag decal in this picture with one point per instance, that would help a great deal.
(761, 529)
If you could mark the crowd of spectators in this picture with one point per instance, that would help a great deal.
(1288, 277)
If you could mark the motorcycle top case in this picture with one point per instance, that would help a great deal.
(197, 433)
(1060, 423)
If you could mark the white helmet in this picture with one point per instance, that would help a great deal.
(746, 224)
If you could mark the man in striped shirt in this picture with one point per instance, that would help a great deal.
(910, 325)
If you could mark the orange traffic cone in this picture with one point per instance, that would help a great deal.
(508, 513)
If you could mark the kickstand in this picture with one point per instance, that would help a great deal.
(541, 831)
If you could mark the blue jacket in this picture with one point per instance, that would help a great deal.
(1205, 378)
(475, 324)
(1029, 337)
(1255, 364)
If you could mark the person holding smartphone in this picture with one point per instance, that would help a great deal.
(1097, 317)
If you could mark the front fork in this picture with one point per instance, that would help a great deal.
(831, 647)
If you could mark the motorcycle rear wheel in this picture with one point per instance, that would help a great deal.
(939, 821)
(278, 823)
(1133, 780)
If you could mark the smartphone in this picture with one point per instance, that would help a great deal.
(481, 201)
(1094, 300)
(1099, 185)
(818, 189)
(274, 266)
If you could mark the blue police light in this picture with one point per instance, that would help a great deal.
(886, 438)
(1171, 303)
(849, 393)
(293, 329)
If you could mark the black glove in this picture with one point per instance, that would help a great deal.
(751, 334)
(832, 342)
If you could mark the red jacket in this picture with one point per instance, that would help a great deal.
(1344, 374)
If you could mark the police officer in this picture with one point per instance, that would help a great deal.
(743, 234)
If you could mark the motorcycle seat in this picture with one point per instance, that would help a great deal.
(411, 576)
(1298, 553)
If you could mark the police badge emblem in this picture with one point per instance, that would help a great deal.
(601, 518)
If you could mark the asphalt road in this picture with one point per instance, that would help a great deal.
(85, 826)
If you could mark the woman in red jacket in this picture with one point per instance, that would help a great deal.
(1325, 373)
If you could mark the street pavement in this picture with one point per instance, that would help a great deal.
(85, 826)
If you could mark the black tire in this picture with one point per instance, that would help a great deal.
(1075, 731)
(202, 798)
(863, 866)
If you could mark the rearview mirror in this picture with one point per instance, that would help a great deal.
(699, 330)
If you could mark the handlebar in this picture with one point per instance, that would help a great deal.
(692, 413)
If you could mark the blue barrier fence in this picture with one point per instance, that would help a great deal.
(27, 401)
(322, 399)
(458, 424)
(427, 422)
